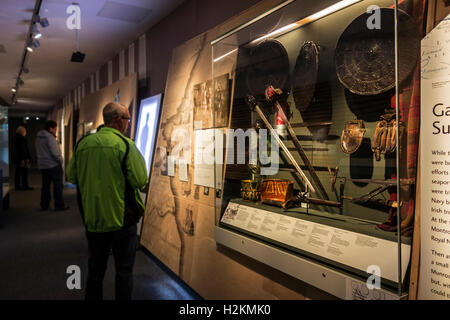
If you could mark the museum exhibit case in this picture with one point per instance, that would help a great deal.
(316, 113)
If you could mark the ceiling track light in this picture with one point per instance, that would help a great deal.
(35, 33)
(42, 21)
(32, 44)
(30, 47)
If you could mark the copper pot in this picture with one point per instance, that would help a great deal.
(276, 191)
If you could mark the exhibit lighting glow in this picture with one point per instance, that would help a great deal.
(14, 90)
(335, 7)
(37, 118)
(223, 56)
(289, 27)
(27, 118)
(316, 16)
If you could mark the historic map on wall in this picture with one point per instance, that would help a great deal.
(170, 219)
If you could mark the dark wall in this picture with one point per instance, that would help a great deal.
(190, 19)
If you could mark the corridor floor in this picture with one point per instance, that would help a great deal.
(37, 247)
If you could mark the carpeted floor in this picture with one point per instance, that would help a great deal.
(37, 247)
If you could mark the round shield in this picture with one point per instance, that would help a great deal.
(305, 75)
(365, 52)
(268, 66)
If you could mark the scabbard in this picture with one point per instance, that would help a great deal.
(283, 146)
(302, 153)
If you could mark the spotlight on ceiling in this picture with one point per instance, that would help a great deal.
(32, 44)
(42, 21)
(35, 32)
(14, 89)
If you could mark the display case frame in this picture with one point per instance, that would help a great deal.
(330, 223)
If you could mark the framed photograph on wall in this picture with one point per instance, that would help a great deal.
(204, 106)
(147, 127)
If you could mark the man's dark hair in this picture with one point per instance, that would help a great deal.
(50, 124)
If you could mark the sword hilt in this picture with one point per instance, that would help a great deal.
(272, 94)
(251, 102)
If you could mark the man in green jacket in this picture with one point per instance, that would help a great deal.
(109, 171)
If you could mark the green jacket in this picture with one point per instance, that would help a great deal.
(96, 169)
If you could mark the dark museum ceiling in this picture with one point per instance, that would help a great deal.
(106, 28)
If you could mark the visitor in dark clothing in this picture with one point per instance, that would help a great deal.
(21, 159)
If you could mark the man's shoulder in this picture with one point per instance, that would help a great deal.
(122, 137)
(42, 133)
(103, 138)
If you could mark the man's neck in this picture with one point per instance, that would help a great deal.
(114, 127)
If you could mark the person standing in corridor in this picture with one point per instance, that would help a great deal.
(49, 160)
(21, 159)
(109, 172)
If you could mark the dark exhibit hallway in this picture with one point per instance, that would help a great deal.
(37, 247)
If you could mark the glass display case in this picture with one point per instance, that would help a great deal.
(320, 148)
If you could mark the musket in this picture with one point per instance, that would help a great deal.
(272, 95)
(378, 202)
(251, 101)
(372, 193)
(302, 198)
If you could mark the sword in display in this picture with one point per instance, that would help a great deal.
(271, 95)
(251, 101)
